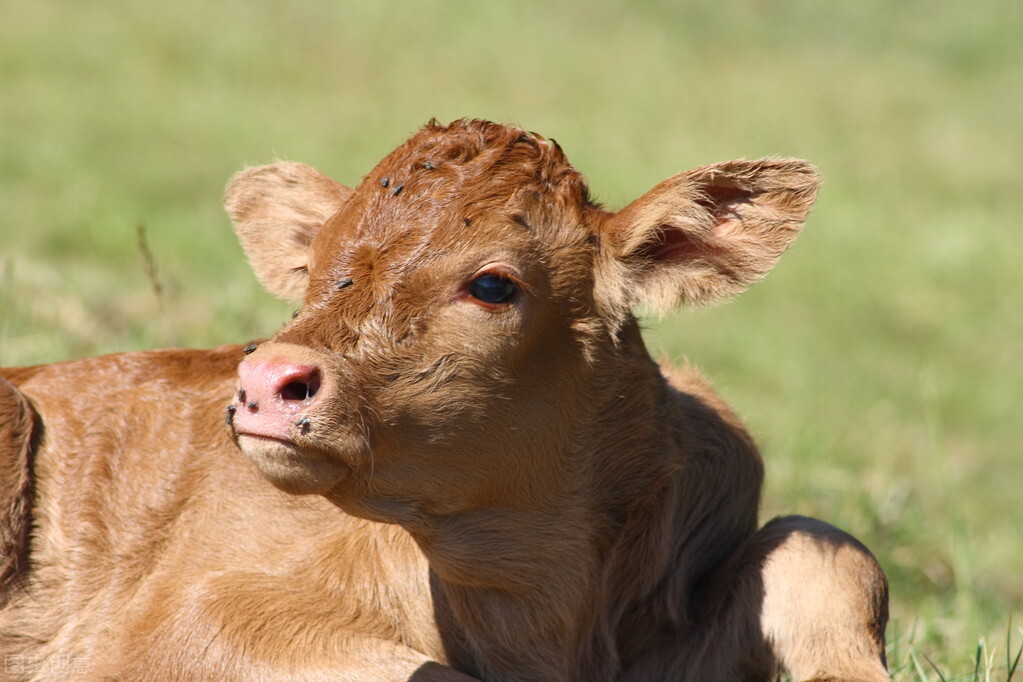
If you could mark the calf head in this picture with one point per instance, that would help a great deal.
(463, 306)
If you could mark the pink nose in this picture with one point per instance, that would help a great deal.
(272, 393)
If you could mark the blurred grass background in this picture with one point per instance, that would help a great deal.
(878, 365)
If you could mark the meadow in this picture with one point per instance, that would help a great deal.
(878, 365)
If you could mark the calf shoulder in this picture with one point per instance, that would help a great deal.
(120, 449)
(697, 515)
(123, 435)
(722, 471)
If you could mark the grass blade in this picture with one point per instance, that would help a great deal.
(921, 673)
(1010, 666)
(940, 676)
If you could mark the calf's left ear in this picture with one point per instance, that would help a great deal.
(277, 211)
(707, 233)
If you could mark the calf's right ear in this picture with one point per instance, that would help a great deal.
(708, 233)
(277, 211)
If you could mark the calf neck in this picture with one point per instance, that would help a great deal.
(456, 461)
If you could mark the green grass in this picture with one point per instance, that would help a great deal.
(879, 365)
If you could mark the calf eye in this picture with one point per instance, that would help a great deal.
(493, 289)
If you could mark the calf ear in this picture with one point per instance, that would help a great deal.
(708, 233)
(277, 210)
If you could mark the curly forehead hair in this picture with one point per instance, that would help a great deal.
(497, 155)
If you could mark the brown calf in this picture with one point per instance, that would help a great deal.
(457, 461)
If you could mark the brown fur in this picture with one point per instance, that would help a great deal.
(18, 433)
(475, 490)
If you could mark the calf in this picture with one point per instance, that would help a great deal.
(457, 461)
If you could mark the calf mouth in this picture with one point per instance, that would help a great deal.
(291, 467)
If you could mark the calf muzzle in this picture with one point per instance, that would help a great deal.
(273, 394)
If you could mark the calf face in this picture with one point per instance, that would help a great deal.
(461, 304)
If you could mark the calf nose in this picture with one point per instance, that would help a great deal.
(275, 379)
(271, 394)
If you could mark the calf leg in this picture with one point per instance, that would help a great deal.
(251, 626)
(17, 435)
(801, 597)
(825, 601)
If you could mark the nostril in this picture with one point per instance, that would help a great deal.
(301, 390)
(295, 391)
(274, 381)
